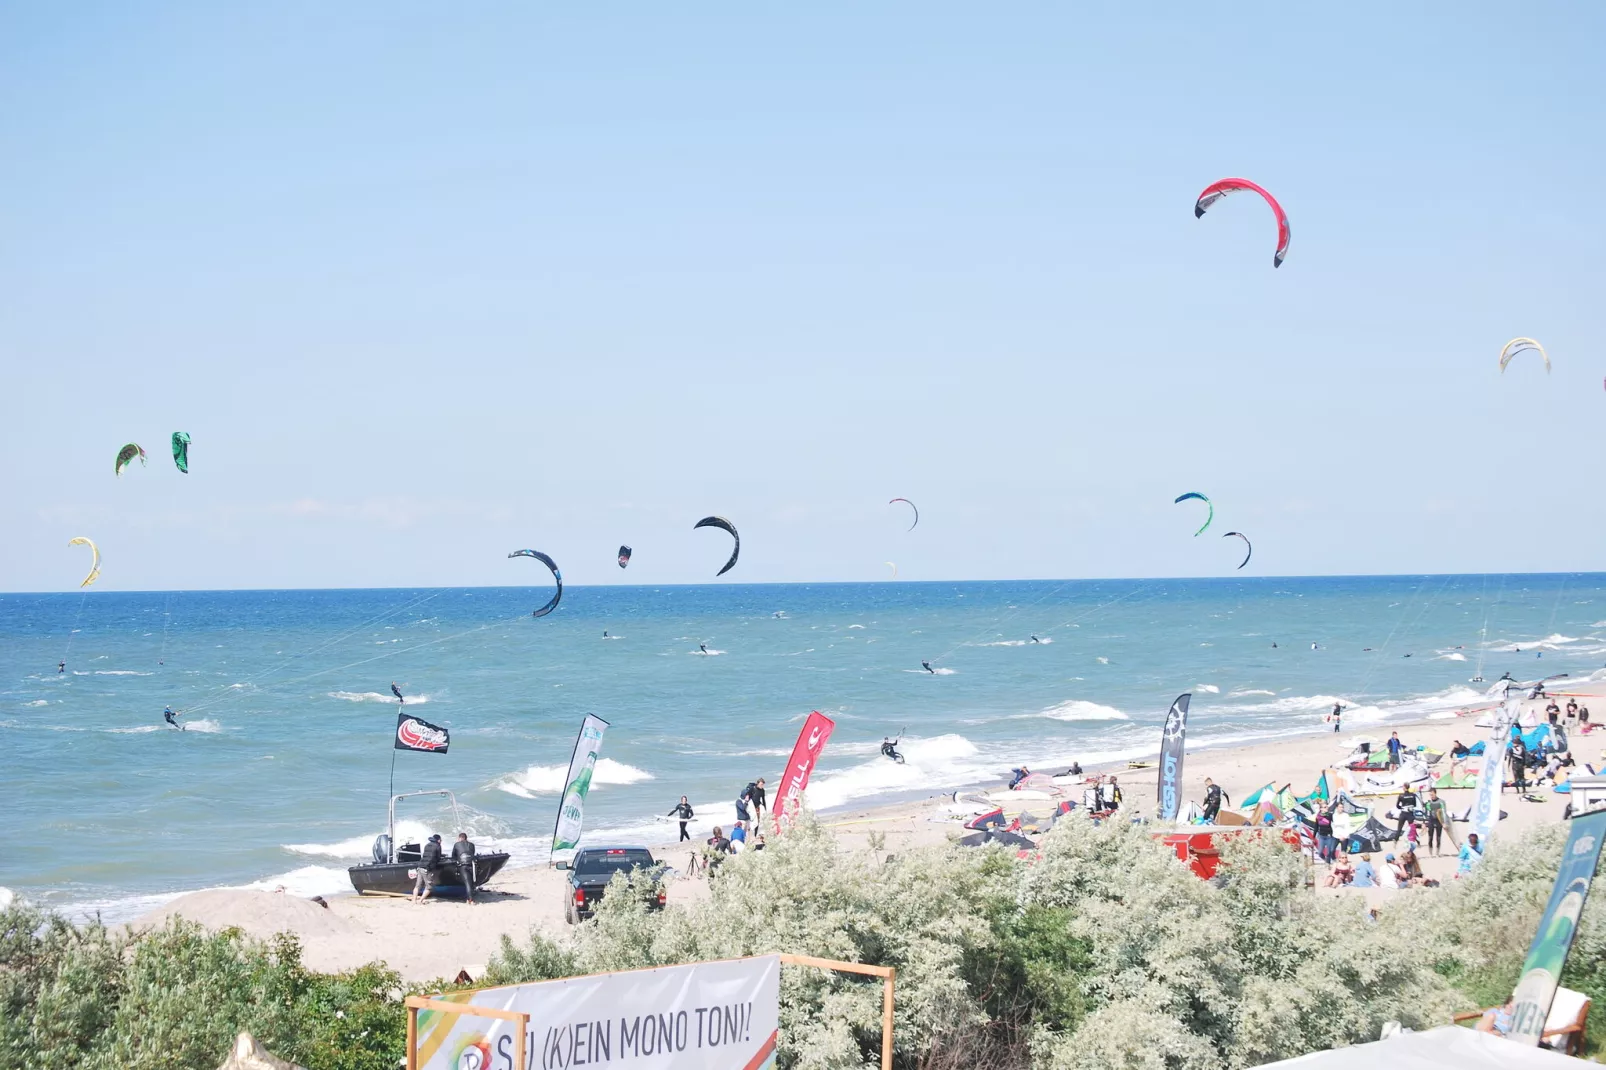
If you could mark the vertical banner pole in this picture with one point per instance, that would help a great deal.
(886, 1021)
(412, 1038)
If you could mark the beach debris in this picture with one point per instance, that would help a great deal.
(624, 555)
(94, 569)
(911, 505)
(126, 455)
(181, 451)
(1217, 190)
(248, 1054)
(724, 525)
(1211, 515)
(1249, 548)
(1522, 345)
(557, 596)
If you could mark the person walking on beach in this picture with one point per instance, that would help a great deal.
(1438, 821)
(1518, 756)
(1404, 807)
(752, 795)
(429, 860)
(463, 858)
(1112, 796)
(1337, 716)
(394, 690)
(683, 811)
(1395, 747)
(1212, 802)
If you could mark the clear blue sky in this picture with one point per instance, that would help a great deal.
(429, 284)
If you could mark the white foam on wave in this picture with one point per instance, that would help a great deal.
(1104, 661)
(203, 725)
(361, 847)
(550, 779)
(932, 672)
(38, 702)
(1005, 642)
(1454, 655)
(706, 653)
(1550, 642)
(137, 730)
(1081, 710)
(375, 696)
(855, 626)
(122, 672)
(1209, 689)
(1251, 691)
(945, 759)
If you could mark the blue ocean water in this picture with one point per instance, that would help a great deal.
(282, 774)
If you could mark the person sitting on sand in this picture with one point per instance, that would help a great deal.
(1341, 875)
(1496, 1020)
(1396, 872)
(1365, 876)
(758, 842)
(1413, 868)
(1471, 852)
(738, 837)
(428, 862)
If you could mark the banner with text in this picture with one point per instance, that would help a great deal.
(1541, 972)
(1172, 740)
(805, 755)
(714, 1015)
(571, 807)
(1486, 804)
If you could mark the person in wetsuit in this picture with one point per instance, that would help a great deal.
(61, 666)
(1036, 640)
(171, 718)
(685, 813)
(703, 647)
(889, 747)
(463, 858)
(394, 690)
(926, 665)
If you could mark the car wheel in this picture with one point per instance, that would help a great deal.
(568, 914)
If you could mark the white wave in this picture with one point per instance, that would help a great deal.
(1550, 642)
(1104, 661)
(855, 626)
(1005, 642)
(1292, 704)
(137, 730)
(362, 847)
(7, 897)
(1081, 710)
(942, 759)
(706, 653)
(121, 672)
(302, 883)
(1251, 691)
(375, 696)
(1209, 689)
(202, 725)
(38, 702)
(1454, 655)
(550, 779)
(613, 637)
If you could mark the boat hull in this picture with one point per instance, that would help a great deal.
(398, 878)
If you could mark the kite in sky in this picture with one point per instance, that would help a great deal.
(894, 569)
(94, 569)
(1249, 548)
(1208, 518)
(126, 455)
(624, 556)
(556, 576)
(911, 505)
(724, 525)
(1519, 345)
(1217, 190)
(181, 451)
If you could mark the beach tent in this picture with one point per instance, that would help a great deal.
(1453, 779)
(993, 818)
(1369, 838)
(1447, 1048)
(1266, 812)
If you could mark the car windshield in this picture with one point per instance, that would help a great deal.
(600, 863)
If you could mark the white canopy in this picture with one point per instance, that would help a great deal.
(1447, 1048)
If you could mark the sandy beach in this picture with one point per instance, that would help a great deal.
(440, 937)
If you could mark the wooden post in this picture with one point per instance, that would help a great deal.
(886, 1021)
(412, 1037)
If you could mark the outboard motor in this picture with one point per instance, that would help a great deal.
(382, 848)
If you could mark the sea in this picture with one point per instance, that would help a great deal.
(285, 764)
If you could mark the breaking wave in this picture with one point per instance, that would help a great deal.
(550, 779)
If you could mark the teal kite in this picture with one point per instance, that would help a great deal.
(126, 455)
(181, 451)
(1208, 517)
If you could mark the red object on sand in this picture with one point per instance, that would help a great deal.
(1203, 854)
(805, 753)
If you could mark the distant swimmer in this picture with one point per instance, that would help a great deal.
(926, 665)
(394, 690)
(703, 647)
(889, 747)
(171, 718)
(1036, 640)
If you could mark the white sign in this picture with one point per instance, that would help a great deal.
(714, 1015)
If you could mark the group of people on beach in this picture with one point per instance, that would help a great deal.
(430, 867)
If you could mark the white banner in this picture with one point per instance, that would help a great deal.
(714, 1015)
(1486, 804)
(571, 807)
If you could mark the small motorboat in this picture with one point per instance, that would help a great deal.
(394, 869)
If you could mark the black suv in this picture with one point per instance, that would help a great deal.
(593, 867)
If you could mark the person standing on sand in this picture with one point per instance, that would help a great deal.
(1438, 821)
(685, 813)
(1395, 747)
(1471, 852)
(1212, 802)
(428, 861)
(752, 795)
(1404, 807)
(1326, 842)
(1112, 796)
(1518, 756)
(463, 858)
(1337, 716)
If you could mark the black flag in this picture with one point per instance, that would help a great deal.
(415, 734)
(1169, 799)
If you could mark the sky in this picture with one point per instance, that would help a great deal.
(427, 285)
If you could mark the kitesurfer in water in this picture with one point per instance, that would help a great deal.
(1036, 640)
(926, 665)
(889, 747)
(605, 633)
(61, 666)
(171, 718)
(702, 648)
(394, 690)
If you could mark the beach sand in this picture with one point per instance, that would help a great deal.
(438, 938)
